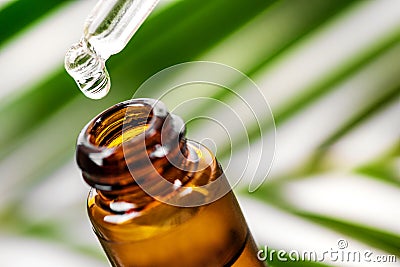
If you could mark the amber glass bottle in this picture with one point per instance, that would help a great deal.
(158, 199)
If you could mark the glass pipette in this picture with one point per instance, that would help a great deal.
(107, 30)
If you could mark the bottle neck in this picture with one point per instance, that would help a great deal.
(137, 152)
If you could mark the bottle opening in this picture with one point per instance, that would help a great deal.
(137, 149)
(124, 123)
(125, 137)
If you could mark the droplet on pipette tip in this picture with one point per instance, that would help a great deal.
(88, 70)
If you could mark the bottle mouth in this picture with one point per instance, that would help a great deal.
(137, 150)
(129, 121)
(126, 137)
(120, 124)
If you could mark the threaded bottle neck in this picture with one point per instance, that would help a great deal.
(132, 142)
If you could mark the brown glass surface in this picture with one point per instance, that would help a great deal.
(134, 228)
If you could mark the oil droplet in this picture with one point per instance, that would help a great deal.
(88, 70)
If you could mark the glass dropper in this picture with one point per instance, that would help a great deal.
(107, 30)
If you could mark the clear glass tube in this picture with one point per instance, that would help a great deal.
(107, 30)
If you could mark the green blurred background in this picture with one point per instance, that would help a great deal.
(330, 70)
